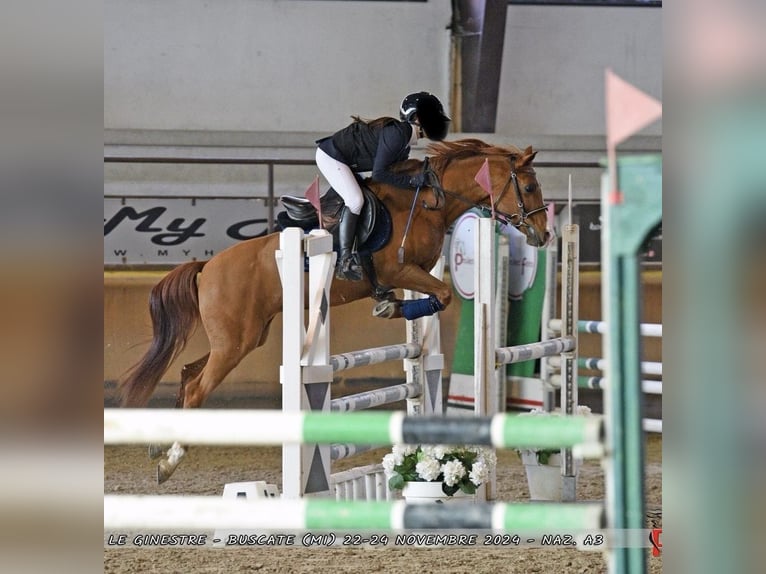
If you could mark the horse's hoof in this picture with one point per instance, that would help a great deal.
(164, 471)
(387, 310)
(155, 451)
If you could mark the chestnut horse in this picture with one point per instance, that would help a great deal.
(237, 293)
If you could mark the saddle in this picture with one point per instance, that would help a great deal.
(373, 228)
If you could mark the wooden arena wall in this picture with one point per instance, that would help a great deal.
(254, 383)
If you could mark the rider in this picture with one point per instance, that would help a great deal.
(375, 145)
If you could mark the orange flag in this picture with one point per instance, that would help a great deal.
(483, 179)
(628, 109)
(312, 194)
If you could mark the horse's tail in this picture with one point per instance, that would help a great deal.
(174, 309)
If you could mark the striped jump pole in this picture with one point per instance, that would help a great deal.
(584, 382)
(347, 450)
(270, 427)
(648, 386)
(598, 364)
(376, 398)
(601, 327)
(175, 513)
(519, 353)
(374, 356)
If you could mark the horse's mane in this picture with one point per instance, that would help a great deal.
(442, 153)
(446, 151)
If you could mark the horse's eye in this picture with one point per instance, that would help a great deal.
(529, 188)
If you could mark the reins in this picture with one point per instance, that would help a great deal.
(440, 200)
(505, 218)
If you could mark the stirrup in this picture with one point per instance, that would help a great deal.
(348, 268)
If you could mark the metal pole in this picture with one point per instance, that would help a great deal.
(270, 194)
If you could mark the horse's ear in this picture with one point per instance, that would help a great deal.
(528, 155)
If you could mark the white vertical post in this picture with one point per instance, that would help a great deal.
(433, 359)
(316, 371)
(290, 263)
(414, 367)
(484, 332)
(483, 322)
(549, 311)
(569, 308)
(501, 320)
(427, 368)
(306, 373)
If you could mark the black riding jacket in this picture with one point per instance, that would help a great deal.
(366, 148)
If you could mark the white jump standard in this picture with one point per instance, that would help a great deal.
(308, 368)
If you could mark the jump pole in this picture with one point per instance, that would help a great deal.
(174, 513)
(241, 427)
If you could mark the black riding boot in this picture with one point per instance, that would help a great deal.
(348, 267)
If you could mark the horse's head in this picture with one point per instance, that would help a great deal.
(520, 201)
(517, 193)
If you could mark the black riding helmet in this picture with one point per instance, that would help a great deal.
(430, 114)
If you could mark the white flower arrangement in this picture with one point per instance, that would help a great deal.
(456, 467)
(544, 454)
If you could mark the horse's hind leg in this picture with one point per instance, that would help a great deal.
(220, 362)
(188, 372)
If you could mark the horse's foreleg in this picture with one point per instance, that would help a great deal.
(415, 279)
(188, 372)
(410, 309)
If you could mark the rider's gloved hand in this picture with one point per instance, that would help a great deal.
(418, 180)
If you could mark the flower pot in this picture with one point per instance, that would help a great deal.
(544, 479)
(431, 493)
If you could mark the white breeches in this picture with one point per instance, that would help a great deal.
(342, 180)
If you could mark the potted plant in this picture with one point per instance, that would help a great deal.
(438, 473)
(543, 465)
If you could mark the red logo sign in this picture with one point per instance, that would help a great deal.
(654, 538)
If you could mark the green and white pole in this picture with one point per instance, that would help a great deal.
(269, 427)
(195, 513)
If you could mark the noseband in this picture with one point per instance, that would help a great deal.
(517, 220)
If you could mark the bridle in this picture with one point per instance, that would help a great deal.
(517, 220)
